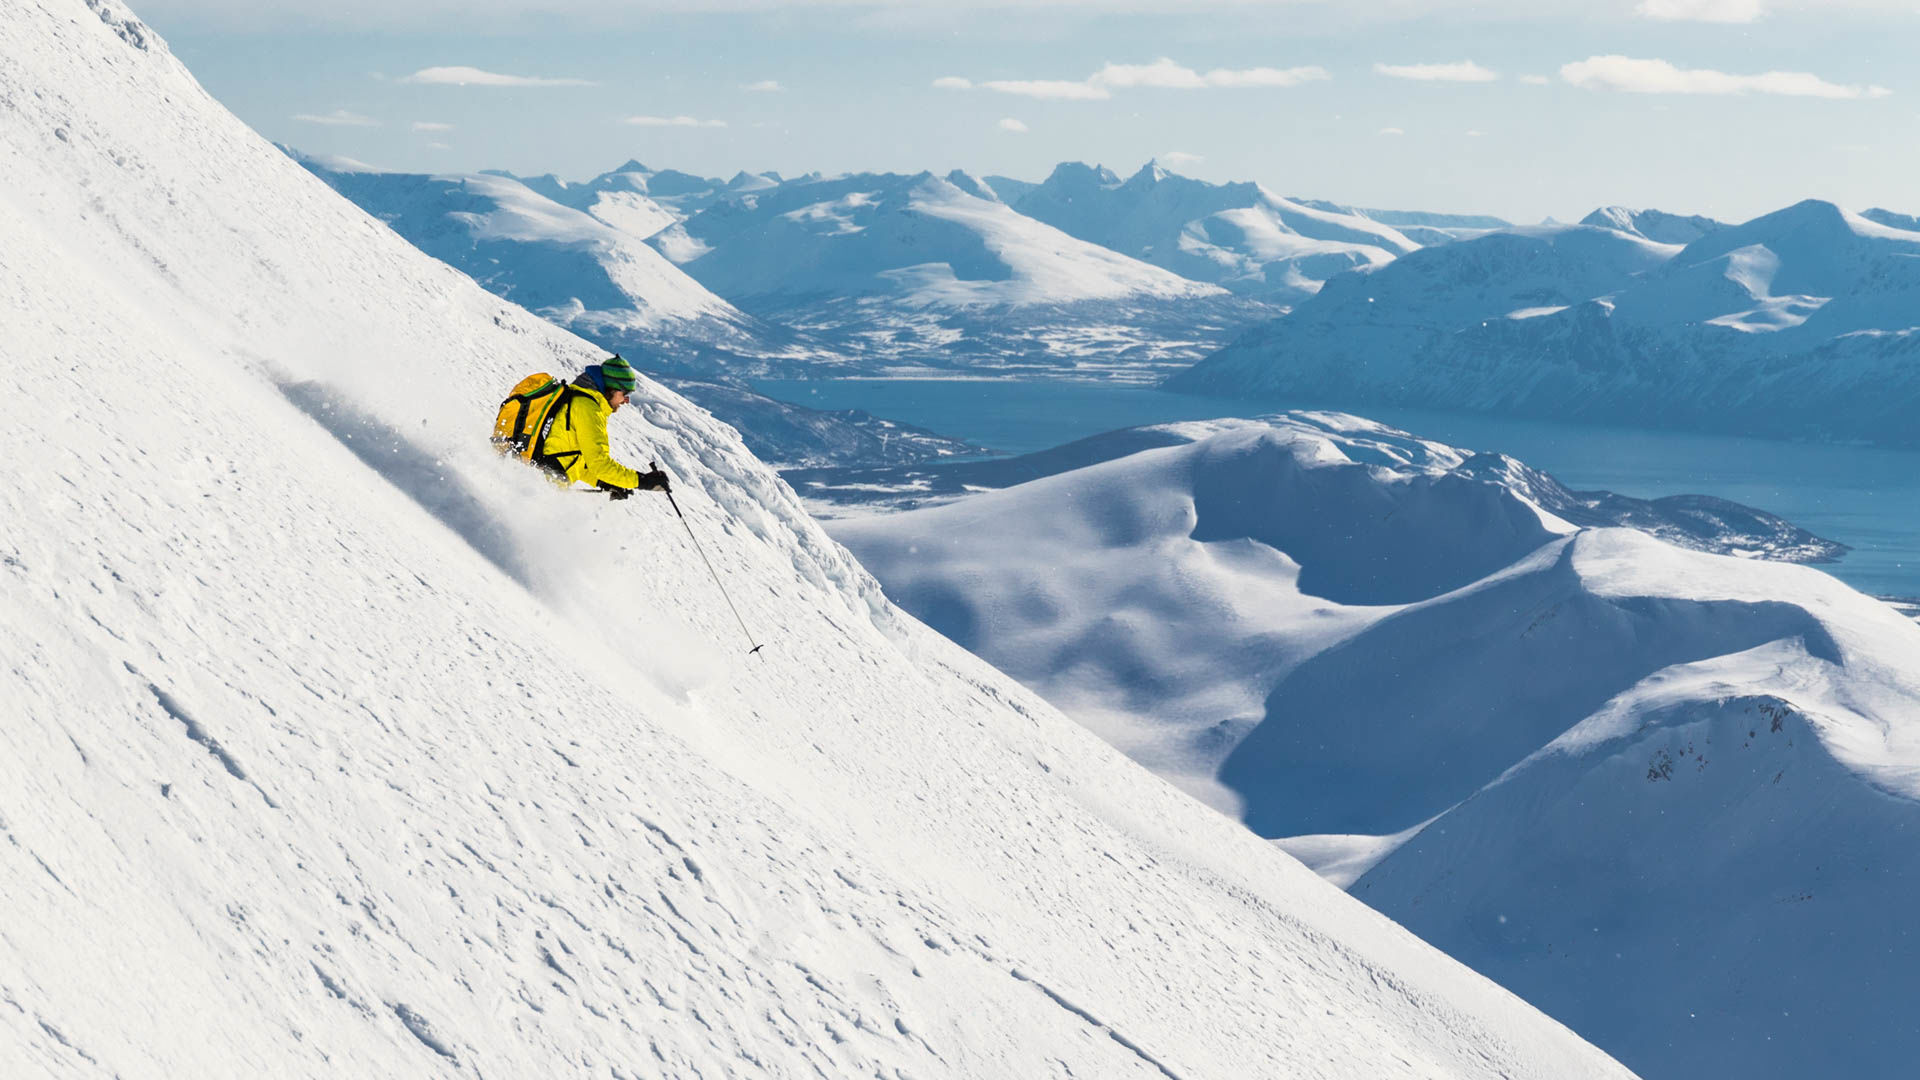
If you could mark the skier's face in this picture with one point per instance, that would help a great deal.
(617, 398)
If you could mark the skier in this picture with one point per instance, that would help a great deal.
(574, 443)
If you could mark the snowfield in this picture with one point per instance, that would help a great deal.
(1667, 795)
(334, 746)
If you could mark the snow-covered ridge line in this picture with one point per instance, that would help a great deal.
(532, 809)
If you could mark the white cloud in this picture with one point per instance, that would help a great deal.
(1162, 74)
(1165, 74)
(1178, 158)
(1464, 71)
(1050, 89)
(1714, 11)
(431, 125)
(764, 86)
(1265, 76)
(1010, 124)
(673, 121)
(472, 76)
(1660, 77)
(1391, 131)
(338, 118)
(1535, 80)
(1474, 133)
(438, 146)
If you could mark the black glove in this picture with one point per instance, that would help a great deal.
(615, 492)
(656, 480)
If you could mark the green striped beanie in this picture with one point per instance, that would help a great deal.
(617, 374)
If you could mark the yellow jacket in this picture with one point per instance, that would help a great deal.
(576, 441)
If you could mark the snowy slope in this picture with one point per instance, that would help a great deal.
(1798, 324)
(1667, 795)
(335, 746)
(1241, 236)
(1368, 329)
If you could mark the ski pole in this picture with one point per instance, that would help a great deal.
(671, 501)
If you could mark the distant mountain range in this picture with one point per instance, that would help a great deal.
(579, 264)
(1797, 324)
(1241, 236)
(766, 275)
(1801, 323)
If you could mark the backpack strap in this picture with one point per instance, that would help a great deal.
(537, 453)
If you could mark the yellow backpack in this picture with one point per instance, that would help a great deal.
(519, 429)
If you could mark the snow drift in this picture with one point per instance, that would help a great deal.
(335, 746)
(1656, 791)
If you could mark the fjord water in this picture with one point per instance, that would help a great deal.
(1865, 497)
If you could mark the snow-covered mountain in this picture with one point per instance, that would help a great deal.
(1655, 225)
(580, 271)
(923, 240)
(1241, 236)
(923, 271)
(1365, 328)
(642, 200)
(335, 745)
(1664, 794)
(1798, 324)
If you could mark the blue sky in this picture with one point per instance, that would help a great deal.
(1725, 107)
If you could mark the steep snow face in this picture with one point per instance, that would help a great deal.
(923, 240)
(334, 745)
(581, 271)
(1241, 236)
(1367, 329)
(1554, 751)
(1797, 324)
(1655, 225)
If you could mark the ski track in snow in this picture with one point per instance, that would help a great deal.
(533, 811)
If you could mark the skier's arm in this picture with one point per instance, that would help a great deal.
(596, 456)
